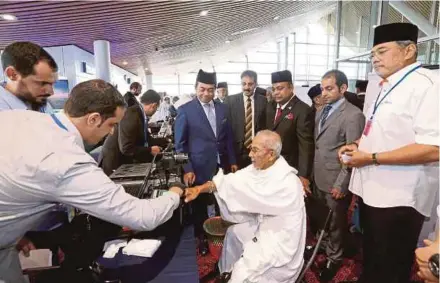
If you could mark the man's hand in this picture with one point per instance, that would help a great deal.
(422, 258)
(189, 178)
(155, 150)
(25, 245)
(306, 185)
(234, 168)
(359, 159)
(337, 194)
(192, 193)
(176, 190)
(346, 148)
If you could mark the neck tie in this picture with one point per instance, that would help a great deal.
(278, 114)
(324, 115)
(248, 124)
(211, 117)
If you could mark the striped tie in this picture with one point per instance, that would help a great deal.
(248, 124)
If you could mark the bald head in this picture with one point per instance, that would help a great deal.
(265, 149)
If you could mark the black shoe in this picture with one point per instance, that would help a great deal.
(329, 271)
(203, 246)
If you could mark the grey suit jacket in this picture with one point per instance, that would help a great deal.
(236, 114)
(343, 126)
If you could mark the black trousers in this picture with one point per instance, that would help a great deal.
(389, 240)
(337, 236)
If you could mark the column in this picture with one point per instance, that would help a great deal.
(149, 80)
(101, 49)
(337, 33)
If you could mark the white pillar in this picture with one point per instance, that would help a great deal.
(101, 50)
(149, 81)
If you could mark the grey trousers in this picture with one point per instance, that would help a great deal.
(10, 268)
(338, 228)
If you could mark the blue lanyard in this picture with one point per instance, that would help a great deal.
(378, 102)
(58, 122)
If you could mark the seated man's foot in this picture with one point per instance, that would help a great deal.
(223, 278)
(329, 271)
(203, 246)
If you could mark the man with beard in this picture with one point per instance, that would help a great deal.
(31, 73)
(130, 96)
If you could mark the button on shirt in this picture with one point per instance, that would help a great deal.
(408, 115)
(43, 165)
(245, 98)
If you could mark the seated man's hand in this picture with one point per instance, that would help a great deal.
(25, 245)
(155, 150)
(176, 190)
(192, 193)
(189, 178)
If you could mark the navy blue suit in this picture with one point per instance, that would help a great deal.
(193, 135)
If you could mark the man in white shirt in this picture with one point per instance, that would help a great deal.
(396, 159)
(266, 201)
(31, 73)
(247, 114)
(44, 163)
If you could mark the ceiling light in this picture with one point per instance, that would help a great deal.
(244, 31)
(125, 63)
(146, 69)
(204, 13)
(276, 18)
(8, 17)
(227, 41)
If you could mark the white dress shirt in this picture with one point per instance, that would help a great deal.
(408, 115)
(42, 165)
(245, 98)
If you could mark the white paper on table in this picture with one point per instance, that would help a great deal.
(121, 243)
(37, 259)
(145, 248)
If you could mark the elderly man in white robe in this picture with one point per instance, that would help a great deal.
(266, 201)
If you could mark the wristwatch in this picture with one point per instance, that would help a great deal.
(374, 157)
(433, 264)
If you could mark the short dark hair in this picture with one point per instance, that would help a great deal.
(149, 97)
(175, 99)
(94, 96)
(251, 74)
(362, 85)
(23, 56)
(339, 76)
(135, 85)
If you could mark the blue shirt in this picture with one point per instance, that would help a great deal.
(8, 101)
(335, 106)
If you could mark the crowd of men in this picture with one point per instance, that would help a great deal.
(257, 158)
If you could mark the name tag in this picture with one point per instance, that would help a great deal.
(368, 127)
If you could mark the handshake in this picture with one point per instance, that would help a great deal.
(188, 193)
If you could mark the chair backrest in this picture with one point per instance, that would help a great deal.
(324, 228)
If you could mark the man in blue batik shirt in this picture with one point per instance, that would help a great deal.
(30, 74)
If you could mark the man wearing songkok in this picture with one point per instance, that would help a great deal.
(266, 201)
(294, 121)
(222, 92)
(396, 159)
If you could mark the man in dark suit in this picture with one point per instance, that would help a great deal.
(337, 124)
(361, 89)
(293, 120)
(202, 130)
(222, 92)
(130, 96)
(354, 99)
(131, 141)
(246, 112)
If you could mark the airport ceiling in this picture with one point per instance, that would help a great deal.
(158, 36)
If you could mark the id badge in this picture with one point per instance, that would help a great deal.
(368, 127)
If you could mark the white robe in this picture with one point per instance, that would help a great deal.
(267, 244)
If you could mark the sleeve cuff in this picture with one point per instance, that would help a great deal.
(427, 140)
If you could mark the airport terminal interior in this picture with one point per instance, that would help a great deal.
(219, 141)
